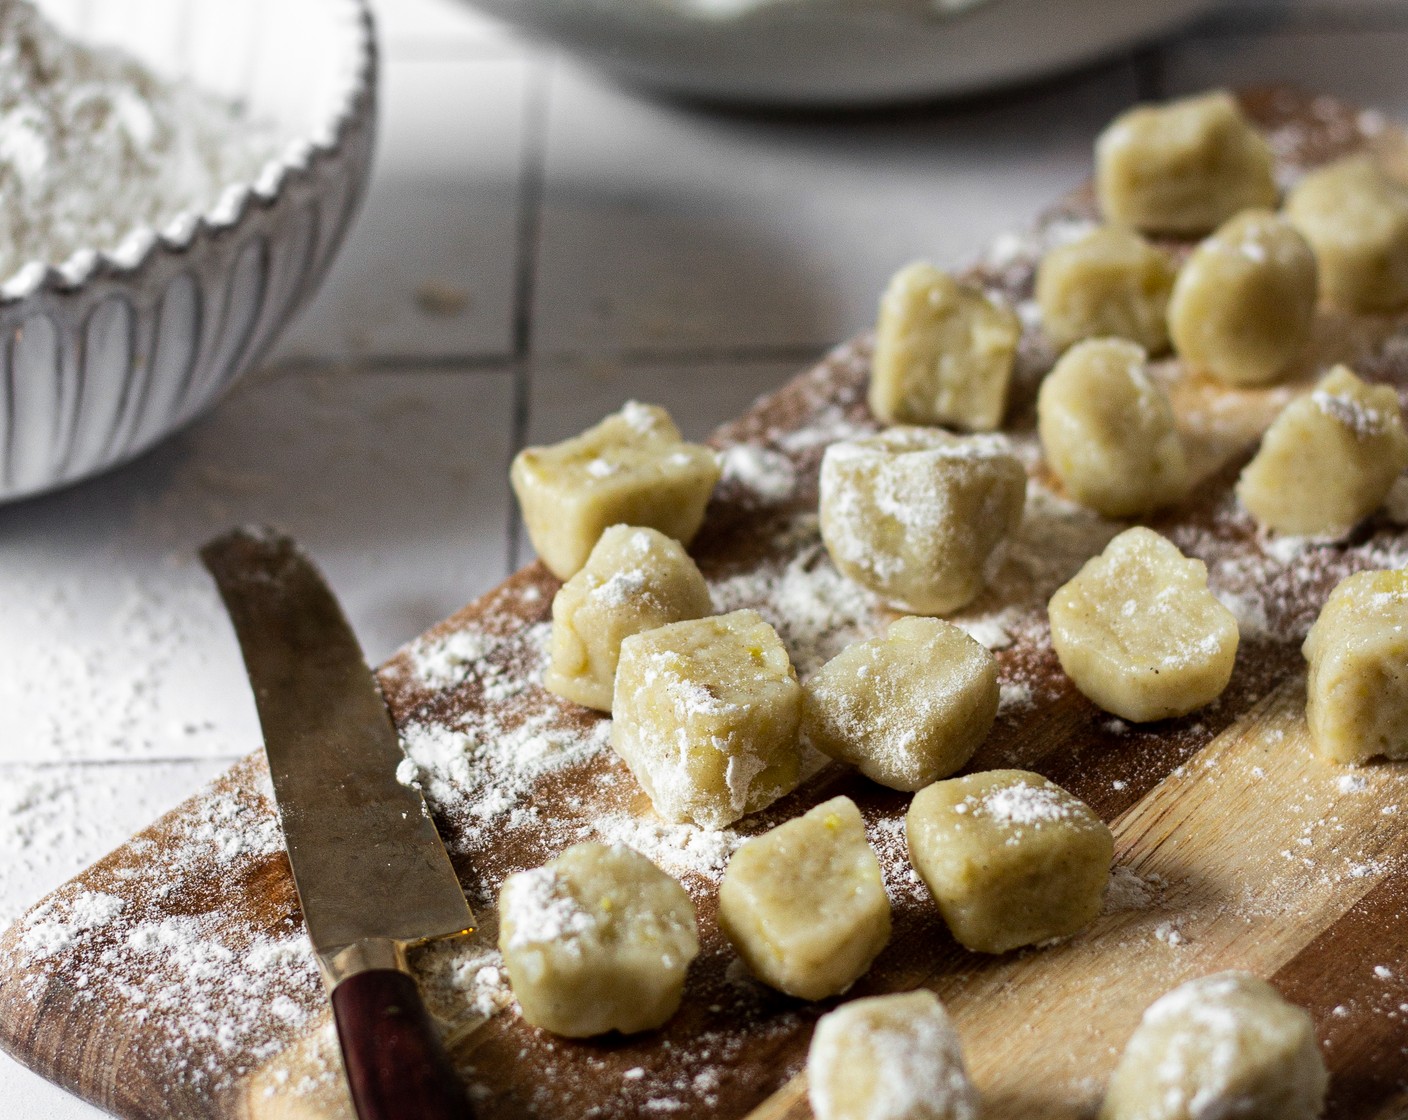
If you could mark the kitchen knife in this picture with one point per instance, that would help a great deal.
(372, 875)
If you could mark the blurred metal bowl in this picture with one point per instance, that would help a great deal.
(109, 352)
(838, 52)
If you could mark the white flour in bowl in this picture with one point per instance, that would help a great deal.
(94, 146)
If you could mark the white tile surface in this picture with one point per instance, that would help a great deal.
(669, 229)
(114, 643)
(439, 224)
(442, 26)
(1364, 66)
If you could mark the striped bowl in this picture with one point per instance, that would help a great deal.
(109, 352)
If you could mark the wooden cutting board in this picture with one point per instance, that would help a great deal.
(172, 979)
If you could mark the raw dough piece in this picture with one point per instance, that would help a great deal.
(905, 709)
(1139, 633)
(943, 353)
(1010, 858)
(1107, 431)
(1356, 219)
(635, 579)
(1184, 167)
(1225, 1045)
(598, 939)
(1357, 692)
(804, 903)
(889, 1058)
(706, 715)
(1328, 460)
(1109, 283)
(1245, 300)
(633, 468)
(918, 515)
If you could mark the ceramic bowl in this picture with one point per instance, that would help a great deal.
(104, 354)
(838, 52)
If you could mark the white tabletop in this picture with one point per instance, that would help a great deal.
(604, 247)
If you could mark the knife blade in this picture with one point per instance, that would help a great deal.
(372, 875)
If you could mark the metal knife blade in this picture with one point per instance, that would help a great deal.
(371, 871)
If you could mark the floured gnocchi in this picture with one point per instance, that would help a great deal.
(1183, 167)
(944, 352)
(894, 1057)
(1221, 1045)
(804, 904)
(1140, 634)
(635, 579)
(1357, 690)
(706, 714)
(1244, 303)
(1110, 283)
(907, 708)
(1356, 218)
(1328, 460)
(920, 516)
(1010, 858)
(596, 940)
(1108, 432)
(633, 468)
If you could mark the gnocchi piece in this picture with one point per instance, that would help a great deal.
(1140, 634)
(1357, 691)
(1220, 1045)
(944, 352)
(1184, 167)
(804, 903)
(706, 715)
(893, 1057)
(633, 468)
(1244, 302)
(596, 940)
(1356, 219)
(1329, 459)
(920, 516)
(635, 579)
(1010, 858)
(1109, 283)
(1108, 432)
(905, 709)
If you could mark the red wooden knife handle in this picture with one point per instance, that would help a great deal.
(395, 1064)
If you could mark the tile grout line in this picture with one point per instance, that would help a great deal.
(531, 189)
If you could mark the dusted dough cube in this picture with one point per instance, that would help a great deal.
(706, 715)
(1329, 459)
(1182, 168)
(1010, 858)
(920, 516)
(631, 469)
(905, 709)
(1140, 634)
(943, 353)
(1356, 219)
(1109, 283)
(598, 939)
(804, 903)
(891, 1057)
(1245, 300)
(1357, 692)
(1108, 431)
(1226, 1045)
(635, 579)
